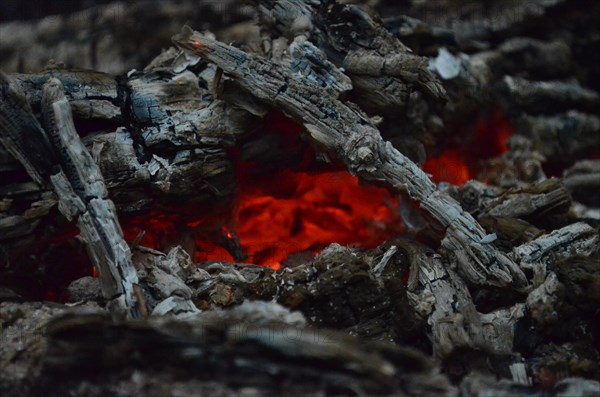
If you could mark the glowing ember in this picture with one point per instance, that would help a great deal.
(458, 165)
(279, 214)
(450, 167)
(299, 212)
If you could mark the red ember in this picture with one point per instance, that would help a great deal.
(298, 211)
(280, 214)
(451, 166)
(458, 165)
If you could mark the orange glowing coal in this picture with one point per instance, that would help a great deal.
(280, 214)
(451, 166)
(458, 164)
(299, 212)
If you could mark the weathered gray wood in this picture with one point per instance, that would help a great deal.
(477, 385)
(437, 293)
(352, 39)
(519, 167)
(258, 347)
(575, 239)
(476, 24)
(83, 196)
(361, 292)
(164, 279)
(544, 97)
(166, 134)
(529, 201)
(166, 147)
(531, 58)
(92, 95)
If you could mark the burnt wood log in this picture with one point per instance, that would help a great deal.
(563, 138)
(583, 180)
(475, 26)
(82, 195)
(530, 202)
(371, 55)
(60, 354)
(165, 135)
(535, 255)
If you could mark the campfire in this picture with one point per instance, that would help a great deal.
(309, 197)
(280, 208)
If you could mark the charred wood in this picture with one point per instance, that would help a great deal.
(82, 196)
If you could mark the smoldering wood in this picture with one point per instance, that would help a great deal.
(438, 293)
(520, 166)
(144, 164)
(164, 279)
(73, 175)
(349, 135)
(535, 255)
(288, 286)
(22, 136)
(442, 297)
(405, 92)
(509, 231)
(187, 132)
(151, 98)
(57, 359)
(83, 196)
(92, 95)
(367, 288)
(539, 86)
(367, 294)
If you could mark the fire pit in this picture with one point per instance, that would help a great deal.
(301, 197)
